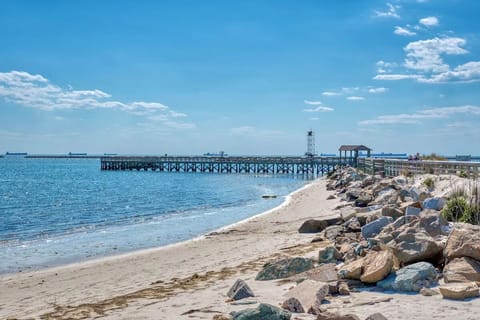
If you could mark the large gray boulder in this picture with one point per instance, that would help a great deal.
(387, 196)
(240, 290)
(317, 225)
(463, 269)
(411, 278)
(264, 312)
(284, 268)
(435, 203)
(464, 241)
(375, 227)
(413, 245)
(433, 223)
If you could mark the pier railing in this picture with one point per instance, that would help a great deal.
(270, 165)
(395, 167)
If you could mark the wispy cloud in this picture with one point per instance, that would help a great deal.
(403, 32)
(378, 90)
(429, 21)
(36, 91)
(385, 67)
(331, 93)
(424, 63)
(355, 98)
(390, 12)
(319, 109)
(251, 131)
(313, 103)
(416, 117)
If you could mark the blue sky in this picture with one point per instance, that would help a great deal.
(247, 77)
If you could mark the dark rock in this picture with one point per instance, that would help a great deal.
(264, 312)
(315, 225)
(293, 305)
(393, 212)
(332, 232)
(352, 225)
(411, 278)
(329, 254)
(376, 316)
(331, 197)
(284, 268)
(412, 211)
(363, 201)
(240, 290)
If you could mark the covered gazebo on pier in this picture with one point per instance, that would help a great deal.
(354, 152)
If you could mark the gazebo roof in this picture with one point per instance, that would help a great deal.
(348, 147)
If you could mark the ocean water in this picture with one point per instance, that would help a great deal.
(54, 212)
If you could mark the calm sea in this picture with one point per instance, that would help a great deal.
(54, 212)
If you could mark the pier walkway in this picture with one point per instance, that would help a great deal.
(208, 164)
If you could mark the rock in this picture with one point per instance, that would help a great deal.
(347, 250)
(376, 266)
(428, 292)
(347, 213)
(315, 226)
(309, 293)
(373, 228)
(464, 241)
(433, 223)
(413, 245)
(331, 197)
(332, 232)
(411, 278)
(284, 268)
(463, 269)
(263, 311)
(393, 212)
(221, 317)
(240, 290)
(368, 216)
(418, 195)
(387, 196)
(329, 254)
(324, 273)
(343, 289)
(352, 193)
(352, 225)
(352, 270)
(459, 291)
(330, 316)
(376, 316)
(363, 201)
(436, 203)
(293, 305)
(412, 211)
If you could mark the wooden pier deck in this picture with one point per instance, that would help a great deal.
(207, 164)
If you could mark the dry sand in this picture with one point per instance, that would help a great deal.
(190, 280)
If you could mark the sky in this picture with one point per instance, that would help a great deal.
(247, 77)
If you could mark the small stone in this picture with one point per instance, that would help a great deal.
(376, 316)
(331, 197)
(240, 290)
(293, 305)
(428, 292)
(329, 255)
(343, 289)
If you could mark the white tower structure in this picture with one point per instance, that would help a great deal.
(310, 144)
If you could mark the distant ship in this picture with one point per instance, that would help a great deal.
(16, 153)
(110, 154)
(219, 154)
(76, 154)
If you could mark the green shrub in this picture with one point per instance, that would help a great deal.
(429, 183)
(463, 205)
(463, 174)
(454, 209)
(434, 157)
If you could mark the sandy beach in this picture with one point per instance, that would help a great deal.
(190, 280)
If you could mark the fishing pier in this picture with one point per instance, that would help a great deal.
(208, 164)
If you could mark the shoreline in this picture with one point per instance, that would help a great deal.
(94, 260)
(117, 276)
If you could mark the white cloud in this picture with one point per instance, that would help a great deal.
(331, 93)
(35, 91)
(391, 11)
(415, 118)
(378, 90)
(429, 21)
(425, 58)
(425, 55)
(319, 109)
(384, 67)
(313, 103)
(254, 132)
(403, 32)
(356, 98)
